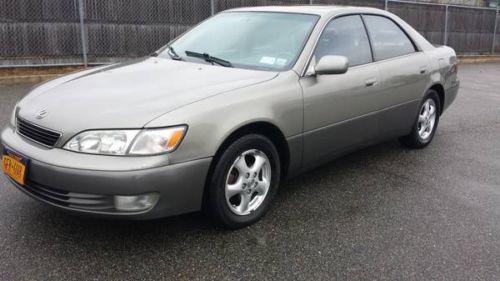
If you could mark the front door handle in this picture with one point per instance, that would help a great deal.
(370, 82)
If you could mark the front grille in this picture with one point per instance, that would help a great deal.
(37, 133)
(72, 200)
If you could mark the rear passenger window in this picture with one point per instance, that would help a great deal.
(345, 36)
(388, 40)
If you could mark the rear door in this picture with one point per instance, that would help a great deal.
(403, 72)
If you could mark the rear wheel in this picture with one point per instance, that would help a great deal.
(426, 122)
(244, 181)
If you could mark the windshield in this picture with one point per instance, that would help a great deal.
(256, 40)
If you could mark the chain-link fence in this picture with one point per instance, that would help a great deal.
(65, 32)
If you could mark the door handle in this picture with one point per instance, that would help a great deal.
(370, 82)
(423, 70)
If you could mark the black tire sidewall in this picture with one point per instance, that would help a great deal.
(217, 200)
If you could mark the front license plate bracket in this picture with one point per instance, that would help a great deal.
(14, 165)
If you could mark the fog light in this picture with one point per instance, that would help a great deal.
(136, 203)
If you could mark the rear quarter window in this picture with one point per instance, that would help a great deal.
(387, 38)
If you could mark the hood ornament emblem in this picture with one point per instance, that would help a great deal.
(42, 114)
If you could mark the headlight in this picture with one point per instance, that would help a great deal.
(127, 142)
(156, 141)
(102, 142)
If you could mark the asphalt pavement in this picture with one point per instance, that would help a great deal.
(382, 213)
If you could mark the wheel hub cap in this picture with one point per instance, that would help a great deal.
(427, 119)
(247, 182)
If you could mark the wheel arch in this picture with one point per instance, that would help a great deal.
(440, 91)
(264, 128)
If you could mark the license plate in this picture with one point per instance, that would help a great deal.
(14, 166)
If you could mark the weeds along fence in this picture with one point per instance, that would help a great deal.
(74, 32)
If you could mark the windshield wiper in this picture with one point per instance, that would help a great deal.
(172, 53)
(209, 58)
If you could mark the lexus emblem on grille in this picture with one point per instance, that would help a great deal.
(42, 114)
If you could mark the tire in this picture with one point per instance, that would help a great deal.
(236, 180)
(425, 126)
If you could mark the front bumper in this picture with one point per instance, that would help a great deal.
(67, 180)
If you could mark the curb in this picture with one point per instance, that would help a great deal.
(33, 74)
(9, 80)
(479, 59)
(28, 79)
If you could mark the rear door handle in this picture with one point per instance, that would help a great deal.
(423, 70)
(370, 82)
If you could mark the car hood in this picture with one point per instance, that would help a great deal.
(129, 95)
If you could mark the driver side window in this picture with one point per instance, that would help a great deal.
(345, 36)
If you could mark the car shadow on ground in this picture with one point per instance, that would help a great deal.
(294, 204)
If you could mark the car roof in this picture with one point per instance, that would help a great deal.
(320, 10)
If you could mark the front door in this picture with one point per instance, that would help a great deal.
(339, 109)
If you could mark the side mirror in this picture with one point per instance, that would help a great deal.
(332, 65)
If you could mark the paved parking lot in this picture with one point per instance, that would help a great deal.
(385, 212)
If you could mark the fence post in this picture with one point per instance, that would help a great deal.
(495, 30)
(82, 32)
(212, 7)
(445, 39)
(386, 5)
(310, 2)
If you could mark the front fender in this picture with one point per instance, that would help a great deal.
(212, 120)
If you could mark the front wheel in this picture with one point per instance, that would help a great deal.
(426, 122)
(244, 181)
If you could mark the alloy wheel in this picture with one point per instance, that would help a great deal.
(248, 182)
(426, 119)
